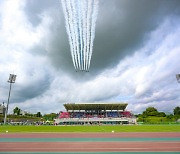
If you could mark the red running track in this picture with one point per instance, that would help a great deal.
(89, 146)
(91, 135)
(170, 146)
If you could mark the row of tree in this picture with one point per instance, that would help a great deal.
(152, 111)
(148, 115)
(17, 111)
(152, 115)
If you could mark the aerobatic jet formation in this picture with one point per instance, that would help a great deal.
(80, 18)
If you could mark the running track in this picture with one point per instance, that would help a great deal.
(90, 143)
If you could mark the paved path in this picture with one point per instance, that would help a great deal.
(87, 143)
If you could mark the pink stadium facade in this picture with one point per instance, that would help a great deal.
(91, 114)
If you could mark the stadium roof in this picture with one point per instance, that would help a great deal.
(114, 106)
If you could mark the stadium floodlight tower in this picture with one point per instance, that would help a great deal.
(178, 78)
(12, 79)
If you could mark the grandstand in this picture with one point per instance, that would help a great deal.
(92, 114)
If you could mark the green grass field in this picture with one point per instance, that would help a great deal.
(115, 128)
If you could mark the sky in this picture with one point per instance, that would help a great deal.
(135, 58)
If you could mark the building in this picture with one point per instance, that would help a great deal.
(90, 114)
(2, 109)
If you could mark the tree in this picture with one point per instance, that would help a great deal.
(150, 111)
(29, 114)
(17, 111)
(50, 116)
(170, 116)
(38, 114)
(161, 114)
(177, 110)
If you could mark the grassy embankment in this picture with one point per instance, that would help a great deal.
(115, 128)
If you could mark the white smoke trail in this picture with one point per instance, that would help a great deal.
(80, 18)
(64, 6)
(93, 24)
(89, 16)
(75, 26)
(79, 8)
(84, 9)
(70, 13)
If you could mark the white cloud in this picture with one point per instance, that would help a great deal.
(146, 78)
(16, 39)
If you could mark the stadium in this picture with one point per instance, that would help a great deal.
(95, 114)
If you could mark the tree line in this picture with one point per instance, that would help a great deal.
(51, 116)
(152, 115)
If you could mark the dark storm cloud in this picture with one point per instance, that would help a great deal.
(35, 47)
(34, 9)
(31, 91)
(122, 27)
(38, 50)
(30, 88)
(56, 41)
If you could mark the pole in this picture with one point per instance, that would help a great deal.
(178, 78)
(5, 118)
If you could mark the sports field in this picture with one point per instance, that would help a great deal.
(142, 139)
(95, 128)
